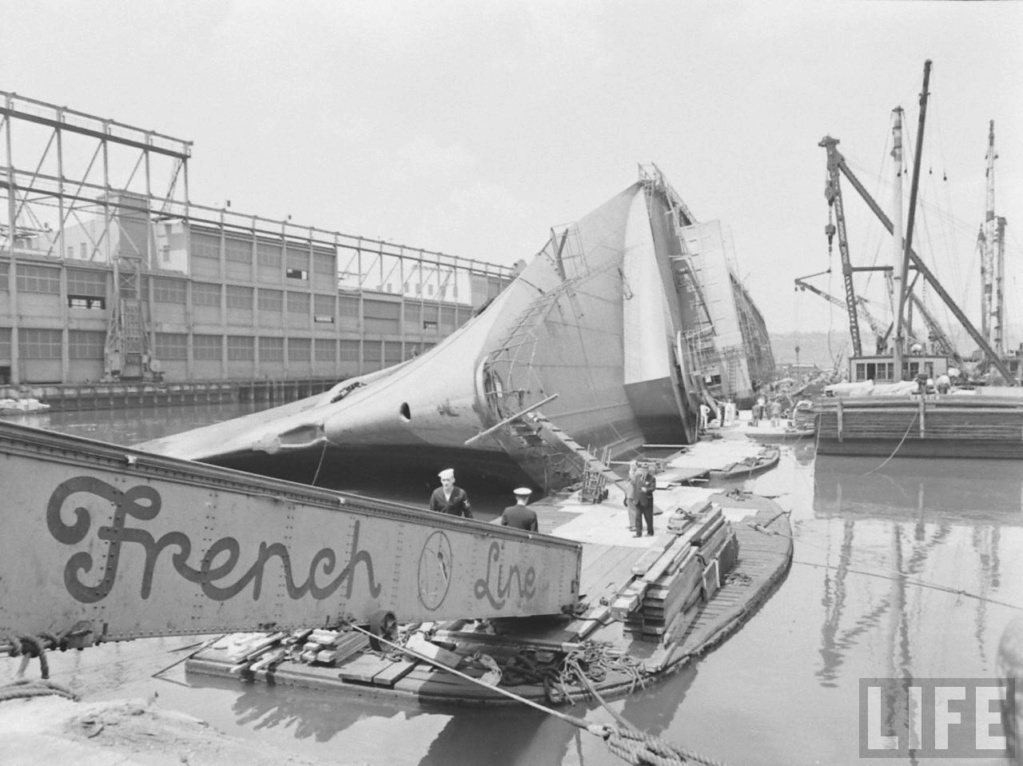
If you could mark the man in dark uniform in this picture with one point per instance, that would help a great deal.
(520, 515)
(448, 498)
(643, 485)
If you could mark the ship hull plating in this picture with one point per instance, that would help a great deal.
(579, 355)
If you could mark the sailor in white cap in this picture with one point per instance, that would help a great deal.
(520, 515)
(448, 498)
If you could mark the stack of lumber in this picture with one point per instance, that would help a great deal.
(329, 647)
(670, 585)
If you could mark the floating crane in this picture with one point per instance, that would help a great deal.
(838, 167)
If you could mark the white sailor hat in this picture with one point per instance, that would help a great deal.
(447, 473)
(523, 492)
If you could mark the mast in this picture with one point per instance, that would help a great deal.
(898, 277)
(912, 216)
(991, 242)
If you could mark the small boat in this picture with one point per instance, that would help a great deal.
(768, 458)
(17, 406)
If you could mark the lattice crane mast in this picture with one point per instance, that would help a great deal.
(833, 193)
(836, 164)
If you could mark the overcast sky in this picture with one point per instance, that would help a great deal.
(472, 127)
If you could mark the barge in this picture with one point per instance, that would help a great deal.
(652, 607)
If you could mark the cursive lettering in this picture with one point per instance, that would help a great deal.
(525, 584)
(143, 503)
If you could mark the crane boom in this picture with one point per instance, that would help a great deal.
(833, 193)
(862, 308)
(920, 265)
(108, 543)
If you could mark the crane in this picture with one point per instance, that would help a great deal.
(833, 193)
(862, 309)
(837, 165)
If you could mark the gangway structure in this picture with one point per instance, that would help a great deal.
(108, 543)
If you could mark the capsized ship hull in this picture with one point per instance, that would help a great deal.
(581, 354)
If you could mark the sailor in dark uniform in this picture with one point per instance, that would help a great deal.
(448, 498)
(520, 515)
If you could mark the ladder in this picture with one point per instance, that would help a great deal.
(564, 457)
(594, 489)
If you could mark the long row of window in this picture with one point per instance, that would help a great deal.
(44, 344)
(88, 289)
(267, 253)
(36, 343)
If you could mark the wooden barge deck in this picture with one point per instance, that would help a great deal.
(541, 658)
(968, 425)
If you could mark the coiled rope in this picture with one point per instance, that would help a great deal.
(28, 647)
(625, 741)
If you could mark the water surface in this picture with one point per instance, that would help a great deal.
(784, 689)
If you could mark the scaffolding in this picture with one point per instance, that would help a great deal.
(78, 188)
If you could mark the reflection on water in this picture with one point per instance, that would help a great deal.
(907, 569)
(960, 491)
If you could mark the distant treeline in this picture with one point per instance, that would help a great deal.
(819, 348)
(823, 348)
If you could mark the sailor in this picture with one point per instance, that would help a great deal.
(704, 417)
(520, 515)
(944, 383)
(448, 498)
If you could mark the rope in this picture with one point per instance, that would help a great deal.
(632, 745)
(24, 688)
(918, 583)
(320, 464)
(626, 742)
(895, 576)
(31, 646)
(897, 446)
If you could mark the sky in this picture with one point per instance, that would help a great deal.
(472, 127)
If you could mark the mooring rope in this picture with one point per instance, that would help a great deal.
(895, 574)
(320, 464)
(29, 646)
(897, 446)
(912, 581)
(25, 688)
(626, 742)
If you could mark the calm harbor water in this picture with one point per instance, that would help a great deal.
(784, 689)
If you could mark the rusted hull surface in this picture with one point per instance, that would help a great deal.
(115, 543)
